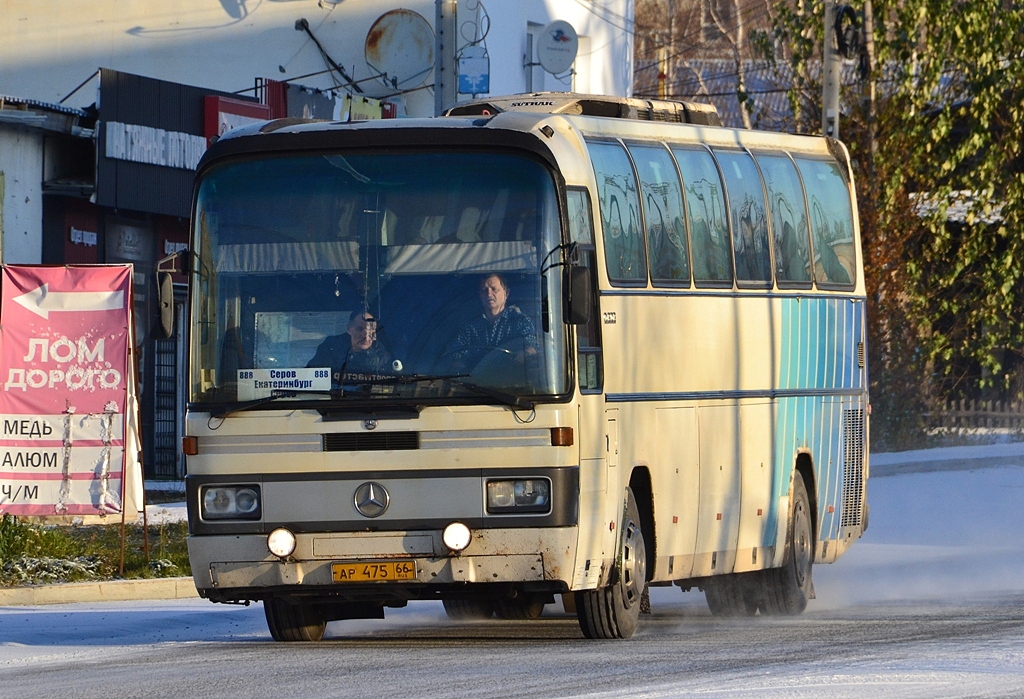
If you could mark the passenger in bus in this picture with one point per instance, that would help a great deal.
(356, 354)
(501, 326)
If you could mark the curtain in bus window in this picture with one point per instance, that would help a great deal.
(662, 199)
(705, 208)
(748, 216)
(828, 200)
(620, 214)
(789, 220)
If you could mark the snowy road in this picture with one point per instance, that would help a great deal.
(929, 604)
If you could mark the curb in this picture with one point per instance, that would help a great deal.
(105, 591)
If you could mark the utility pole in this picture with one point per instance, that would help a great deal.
(868, 93)
(445, 80)
(662, 73)
(832, 65)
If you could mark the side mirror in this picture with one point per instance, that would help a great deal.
(165, 294)
(579, 298)
(178, 262)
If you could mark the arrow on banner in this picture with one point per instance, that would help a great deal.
(42, 301)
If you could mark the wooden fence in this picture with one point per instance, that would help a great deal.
(979, 415)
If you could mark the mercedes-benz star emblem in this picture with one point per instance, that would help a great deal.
(372, 499)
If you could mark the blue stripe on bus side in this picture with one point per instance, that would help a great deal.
(818, 379)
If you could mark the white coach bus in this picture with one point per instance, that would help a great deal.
(545, 345)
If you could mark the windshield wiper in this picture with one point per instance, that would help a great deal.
(276, 394)
(509, 399)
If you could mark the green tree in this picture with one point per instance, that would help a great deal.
(941, 185)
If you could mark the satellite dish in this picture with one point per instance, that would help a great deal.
(557, 45)
(400, 46)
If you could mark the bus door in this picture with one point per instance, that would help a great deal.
(592, 432)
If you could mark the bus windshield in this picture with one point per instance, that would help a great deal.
(412, 277)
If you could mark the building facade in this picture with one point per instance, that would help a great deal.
(115, 103)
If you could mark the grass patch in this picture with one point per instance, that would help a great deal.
(34, 554)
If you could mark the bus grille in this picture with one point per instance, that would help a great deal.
(372, 441)
(853, 467)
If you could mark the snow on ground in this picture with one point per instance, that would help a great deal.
(944, 526)
(165, 513)
(952, 533)
(938, 535)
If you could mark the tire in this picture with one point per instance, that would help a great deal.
(467, 609)
(613, 611)
(731, 596)
(526, 607)
(785, 590)
(294, 622)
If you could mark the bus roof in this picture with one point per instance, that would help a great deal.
(521, 120)
(677, 111)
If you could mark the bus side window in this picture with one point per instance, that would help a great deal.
(705, 209)
(828, 201)
(789, 220)
(662, 199)
(749, 219)
(588, 335)
(624, 251)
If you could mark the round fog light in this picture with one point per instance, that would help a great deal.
(281, 542)
(456, 536)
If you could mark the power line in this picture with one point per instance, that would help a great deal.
(588, 6)
(684, 37)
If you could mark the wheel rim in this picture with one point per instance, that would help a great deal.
(801, 543)
(634, 564)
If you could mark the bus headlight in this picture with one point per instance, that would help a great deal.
(230, 502)
(528, 495)
(281, 542)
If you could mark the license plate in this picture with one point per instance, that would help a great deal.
(373, 571)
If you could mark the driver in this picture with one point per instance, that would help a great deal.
(500, 325)
(356, 354)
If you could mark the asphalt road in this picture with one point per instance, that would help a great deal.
(190, 648)
(930, 603)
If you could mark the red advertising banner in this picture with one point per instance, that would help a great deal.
(65, 407)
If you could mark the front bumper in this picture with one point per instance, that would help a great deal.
(240, 567)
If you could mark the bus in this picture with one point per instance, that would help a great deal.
(544, 346)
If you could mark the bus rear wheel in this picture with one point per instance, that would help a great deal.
(785, 590)
(467, 609)
(613, 611)
(732, 595)
(294, 622)
(525, 607)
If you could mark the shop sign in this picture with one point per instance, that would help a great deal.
(68, 408)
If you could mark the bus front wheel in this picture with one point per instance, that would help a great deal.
(293, 622)
(785, 590)
(613, 611)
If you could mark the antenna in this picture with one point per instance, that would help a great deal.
(400, 47)
(557, 45)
